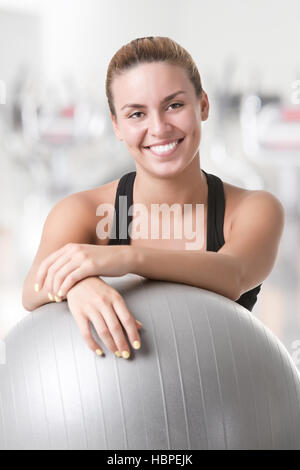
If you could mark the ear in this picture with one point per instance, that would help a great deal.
(116, 127)
(204, 103)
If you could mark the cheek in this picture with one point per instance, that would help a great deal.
(190, 122)
(193, 127)
(133, 135)
(198, 132)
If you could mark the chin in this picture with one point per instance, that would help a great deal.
(167, 170)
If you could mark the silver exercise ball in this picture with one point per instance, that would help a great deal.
(209, 375)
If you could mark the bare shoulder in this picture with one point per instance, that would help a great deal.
(255, 236)
(89, 201)
(234, 196)
(256, 204)
(242, 203)
(102, 194)
(81, 207)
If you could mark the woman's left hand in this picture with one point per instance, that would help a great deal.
(65, 267)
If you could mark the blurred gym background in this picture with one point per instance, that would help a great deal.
(56, 137)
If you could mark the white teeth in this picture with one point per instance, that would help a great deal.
(164, 148)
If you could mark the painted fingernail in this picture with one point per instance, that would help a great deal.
(125, 354)
(57, 299)
(50, 296)
(99, 352)
(136, 345)
(118, 354)
(138, 322)
(60, 293)
(36, 287)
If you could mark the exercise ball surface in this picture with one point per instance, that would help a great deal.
(209, 375)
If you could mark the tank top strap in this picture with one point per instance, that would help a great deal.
(124, 199)
(215, 212)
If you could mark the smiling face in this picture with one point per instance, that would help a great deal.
(155, 119)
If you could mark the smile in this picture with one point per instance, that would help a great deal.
(164, 149)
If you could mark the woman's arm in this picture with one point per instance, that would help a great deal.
(242, 263)
(208, 270)
(68, 221)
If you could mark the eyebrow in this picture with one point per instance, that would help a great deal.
(167, 98)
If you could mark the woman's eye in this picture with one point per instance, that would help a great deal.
(179, 104)
(139, 112)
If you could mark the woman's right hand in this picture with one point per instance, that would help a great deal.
(93, 300)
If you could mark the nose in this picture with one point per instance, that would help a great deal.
(158, 124)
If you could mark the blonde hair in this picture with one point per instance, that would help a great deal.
(150, 49)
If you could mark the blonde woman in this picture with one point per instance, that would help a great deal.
(157, 105)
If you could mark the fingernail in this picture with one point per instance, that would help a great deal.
(99, 352)
(138, 322)
(57, 299)
(136, 345)
(125, 354)
(60, 293)
(118, 354)
(36, 287)
(50, 296)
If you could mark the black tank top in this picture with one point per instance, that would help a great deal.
(215, 220)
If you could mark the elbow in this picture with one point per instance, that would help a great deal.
(27, 308)
(236, 286)
(26, 305)
(231, 293)
(235, 296)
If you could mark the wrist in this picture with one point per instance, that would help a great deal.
(79, 283)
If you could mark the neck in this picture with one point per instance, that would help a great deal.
(188, 187)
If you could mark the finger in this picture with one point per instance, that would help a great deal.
(139, 325)
(61, 276)
(85, 331)
(128, 322)
(54, 271)
(115, 329)
(102, 329)
(45, 265)
(73, 277)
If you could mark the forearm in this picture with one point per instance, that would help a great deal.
(209, 270)
(32, 299)
(87, 260)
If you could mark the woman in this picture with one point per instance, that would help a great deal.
(156, 105)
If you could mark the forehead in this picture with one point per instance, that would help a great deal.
(156, 80)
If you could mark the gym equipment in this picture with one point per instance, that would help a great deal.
(209, 375)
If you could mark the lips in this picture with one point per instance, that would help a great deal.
(163, 155)
(166, 143)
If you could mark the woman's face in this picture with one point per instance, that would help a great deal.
(151, 119)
